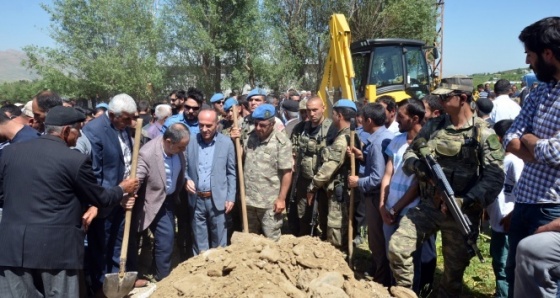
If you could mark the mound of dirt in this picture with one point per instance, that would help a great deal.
(253, 266)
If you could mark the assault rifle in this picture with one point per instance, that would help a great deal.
(449, 197)
(293, 197)
(314, 214)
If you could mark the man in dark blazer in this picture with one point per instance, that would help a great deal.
(111, 154)
(161, 171)
(211, 183)
(42, 233)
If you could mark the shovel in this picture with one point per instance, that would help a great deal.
(118, 285)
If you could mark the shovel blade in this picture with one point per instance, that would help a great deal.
(115, 287)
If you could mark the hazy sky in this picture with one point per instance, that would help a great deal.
(479, 35)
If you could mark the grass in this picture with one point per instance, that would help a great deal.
(478, 280)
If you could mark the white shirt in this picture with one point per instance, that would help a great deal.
(503, 205)
(504, 108)
(400, 182)
(394, 127)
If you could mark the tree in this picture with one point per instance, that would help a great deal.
(212, 40)
(103, 48)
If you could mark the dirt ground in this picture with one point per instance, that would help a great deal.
(253, 266)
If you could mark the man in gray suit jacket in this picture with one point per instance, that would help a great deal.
(161, 172)
(211, 183)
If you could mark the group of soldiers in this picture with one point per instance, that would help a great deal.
(317, 155)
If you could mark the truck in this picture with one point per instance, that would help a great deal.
(366, 69)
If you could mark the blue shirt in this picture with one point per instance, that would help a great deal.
(205, 159)
(363, 136)
(193, 126)
(375, 160)
(172, 166)
(540, 115)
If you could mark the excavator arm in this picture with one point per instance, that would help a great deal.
(338, 75)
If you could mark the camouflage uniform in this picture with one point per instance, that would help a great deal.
(308, 142)
(264, 162)
(247, 127)
(332, 176)
(472, 159)
(224, 126)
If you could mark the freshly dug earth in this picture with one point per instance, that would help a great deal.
(253, 266)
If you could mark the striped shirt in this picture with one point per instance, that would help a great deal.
(540, 116)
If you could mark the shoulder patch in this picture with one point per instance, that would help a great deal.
(493, 142)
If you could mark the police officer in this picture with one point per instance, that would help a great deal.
(332, 176)
(472, 158)
(309, 138)
(267, 172)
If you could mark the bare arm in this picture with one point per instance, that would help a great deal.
(518, 148)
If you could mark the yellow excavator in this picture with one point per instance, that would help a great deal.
(367, 69)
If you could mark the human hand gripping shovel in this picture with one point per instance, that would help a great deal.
(118, 285)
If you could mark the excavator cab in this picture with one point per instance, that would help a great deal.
(395, 67)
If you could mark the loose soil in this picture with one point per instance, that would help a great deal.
(253, 266)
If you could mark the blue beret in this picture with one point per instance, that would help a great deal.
(264, 112)
(230, 102)
(345, 103)
(256, 91)
(102, 105)
(216, 97)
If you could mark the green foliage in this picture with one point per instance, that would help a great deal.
(413, 19)
(105, 47)
(108, 47)
(21, 91)
(211, 38)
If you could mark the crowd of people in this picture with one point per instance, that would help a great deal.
(65, 180)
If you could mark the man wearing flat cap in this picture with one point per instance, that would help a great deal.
(291, 113)
(332, 177)
(267, 173)
(42, 233)
(471, 157)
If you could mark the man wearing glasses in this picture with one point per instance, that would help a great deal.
(267, 172)
(217, 100)
(189, 116)
(471, 156)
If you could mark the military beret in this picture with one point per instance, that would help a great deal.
(485, 105)
(264, 112)
(345, 103)
(290, 105)
(61, 116)
(256, 91)
(303, 104)
(230, 102)
(216, 97)
(102, 106)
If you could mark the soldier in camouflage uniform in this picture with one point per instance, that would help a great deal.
(255, 98)
(226, 123)
(332, 175)
(267, 172)
(308, 140)
(472, 158)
